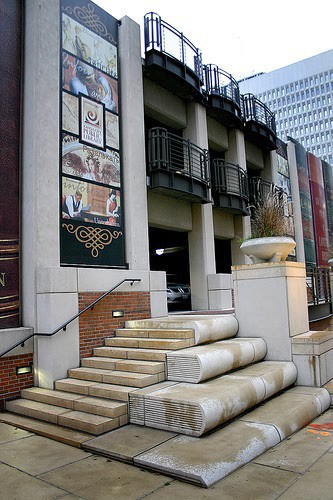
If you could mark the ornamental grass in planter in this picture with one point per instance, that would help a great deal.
(270, 228)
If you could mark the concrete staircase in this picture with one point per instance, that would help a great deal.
(185, 375)
(94, 397)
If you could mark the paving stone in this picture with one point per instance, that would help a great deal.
(36, 454)
(16, 484)
(10, 433)
(318, 478)
(208, 460)
(102, 478)
(128, 442)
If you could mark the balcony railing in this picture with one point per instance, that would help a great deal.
(170, 152)
(254, 109)
(178, 164)
(260, 189)
(162, 37)
(230, 179)
(219, 82)
(318, 285)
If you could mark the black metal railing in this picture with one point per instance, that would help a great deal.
(64, 325)
(170, 152)
(230, 179)
(318, 285)
(161, 36)
(259, 189)
(219, 82)
(254, 109)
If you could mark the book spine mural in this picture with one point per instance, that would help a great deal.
(319, 209)
(10, 94)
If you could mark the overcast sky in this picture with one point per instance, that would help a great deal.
(242, 37)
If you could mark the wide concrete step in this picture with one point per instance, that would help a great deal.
(116, 377)
(130, 353)
(85, 422)
(207, 328)
(97, 406)
(155, 333)
(194, 409)
(125, 365)
(95, 389)
(210, 360)
(208, 459)
(138, 343)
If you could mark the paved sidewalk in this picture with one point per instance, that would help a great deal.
(36, 467)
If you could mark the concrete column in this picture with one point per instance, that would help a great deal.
(271, 302)
(270, 172)
(133, 146)
(237, 154)
(201, 238)
(296, 202)
(49, 292)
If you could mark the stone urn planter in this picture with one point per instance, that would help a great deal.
(330, 263)
(269, 249)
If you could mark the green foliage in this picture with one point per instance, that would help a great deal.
(268, 218)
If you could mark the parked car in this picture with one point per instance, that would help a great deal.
(178, 294)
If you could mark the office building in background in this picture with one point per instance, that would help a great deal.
(301, 96)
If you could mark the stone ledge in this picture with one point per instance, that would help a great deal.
(284, 269)
(314, 342)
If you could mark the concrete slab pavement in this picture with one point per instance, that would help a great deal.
(37, 467)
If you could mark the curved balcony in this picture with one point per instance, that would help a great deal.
(230, 189)
(171, 60)
(259, 122)
(260, 189)
(178, 165)
(224, 102)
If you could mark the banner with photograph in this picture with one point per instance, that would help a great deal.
(91, 220)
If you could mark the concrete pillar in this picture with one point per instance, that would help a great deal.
(201, 238)
(237, 154)
(49, 292)
(271, 302)
(270, 172)
(133, 146)
(296, 202)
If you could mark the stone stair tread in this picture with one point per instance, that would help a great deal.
(195, 409)
(87, 422)
(87, 388)
(206, 361)
(49, 396)
(133, 365)
(146, 343)
(210, 458)
(116, 377)
(46, 429)
(35, 409)
(155, 333)
(95, 405)
(130, 353)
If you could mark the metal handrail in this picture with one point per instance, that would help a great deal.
(219, 82)
(254, 109)
(64, 325)
(320, 284)
(160, 35)
(230, 178)
(260, 189)
(170, 152)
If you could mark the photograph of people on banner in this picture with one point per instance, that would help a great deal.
(90, 203)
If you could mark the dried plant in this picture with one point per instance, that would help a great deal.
(268, 217)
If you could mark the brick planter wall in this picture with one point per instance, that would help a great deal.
(10, 383)
(98, 323)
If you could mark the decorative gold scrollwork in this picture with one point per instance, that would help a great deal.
(87, 16)
(94, 238)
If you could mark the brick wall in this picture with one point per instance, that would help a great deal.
(98, 323)
(10, 383)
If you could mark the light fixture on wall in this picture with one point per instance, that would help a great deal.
(119, 313)
(22, 370)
